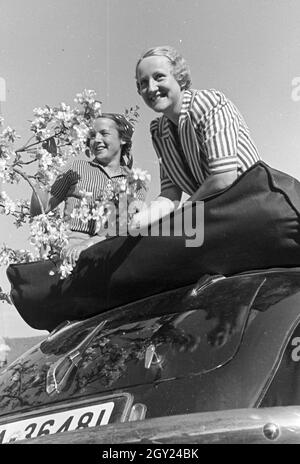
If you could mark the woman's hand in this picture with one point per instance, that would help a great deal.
(73, 252)
(159, 208)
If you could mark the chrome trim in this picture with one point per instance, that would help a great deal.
(74, 357)
(67, 405)
(150, 354)
(140, 409)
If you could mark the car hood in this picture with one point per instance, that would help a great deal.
(178, 334)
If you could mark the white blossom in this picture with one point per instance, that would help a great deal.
(10, 134)
(139, 174)
(86, 97)
(65, 115)
(65, 269)
(7, 206)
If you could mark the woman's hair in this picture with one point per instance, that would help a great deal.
(181, 70)
(125, 131)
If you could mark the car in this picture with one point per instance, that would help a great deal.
(213, 362)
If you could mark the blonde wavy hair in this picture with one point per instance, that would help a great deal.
(181, 70)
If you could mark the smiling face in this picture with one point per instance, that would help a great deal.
(105, 142)
(158, 86)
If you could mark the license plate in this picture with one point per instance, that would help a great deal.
(69, 417)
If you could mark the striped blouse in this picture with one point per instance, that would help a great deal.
(212, 137)
(83, 175)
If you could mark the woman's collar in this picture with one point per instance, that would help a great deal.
(164, 124)
(121, 171)
(186, 102)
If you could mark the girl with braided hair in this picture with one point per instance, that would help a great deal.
(125, 132)
(109, 143)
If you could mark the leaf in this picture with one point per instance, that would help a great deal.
(4, 296)
(50, 146)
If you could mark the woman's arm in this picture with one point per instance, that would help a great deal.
(73, 252)
(218, 129)
(58, 193)
(158, 208)
(48, 201)
(213, 184)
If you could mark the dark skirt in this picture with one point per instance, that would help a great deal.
(254, 224)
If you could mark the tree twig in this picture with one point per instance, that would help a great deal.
(25, 147)
(22, 174)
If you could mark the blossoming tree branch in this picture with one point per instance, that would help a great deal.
(58, 134)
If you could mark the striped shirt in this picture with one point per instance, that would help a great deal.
(212, 137)
(88, 176)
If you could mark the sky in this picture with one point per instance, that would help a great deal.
(52, 49)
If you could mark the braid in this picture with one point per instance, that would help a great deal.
(126, 156)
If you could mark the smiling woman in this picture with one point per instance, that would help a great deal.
(202, 140)
(105, 144)
(159, 87)
(117, 134)
(110, 144)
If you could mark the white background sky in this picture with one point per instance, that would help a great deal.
(52, 49)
